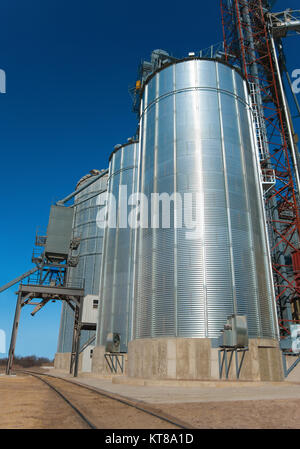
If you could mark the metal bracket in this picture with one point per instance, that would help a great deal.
(287, 370)
(113, 362)
(88, 343)
(223, 359)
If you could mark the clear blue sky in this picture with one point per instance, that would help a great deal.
(69, 65)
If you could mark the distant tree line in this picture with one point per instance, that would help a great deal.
(28, 361)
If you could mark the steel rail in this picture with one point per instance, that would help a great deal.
(78, 412)
(148, 410)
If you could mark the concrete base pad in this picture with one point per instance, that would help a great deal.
(62, 361)
(123, 380)
(195, 359)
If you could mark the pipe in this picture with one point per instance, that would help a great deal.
(86, 184)
(18, 279)
(293, 25)
(285, 108)
(293, 93)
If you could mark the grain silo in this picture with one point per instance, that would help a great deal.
(197, 138)
(116, 287)
(87, 204)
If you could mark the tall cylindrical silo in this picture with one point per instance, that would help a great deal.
(197, 140)
(89, 252)
(87, 205)
(116, 287)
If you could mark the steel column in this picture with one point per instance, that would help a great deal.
(14, 334)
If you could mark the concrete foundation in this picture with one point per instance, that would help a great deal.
(62, 361)
(100, 366)
(195, 359)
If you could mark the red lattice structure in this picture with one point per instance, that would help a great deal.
(248, 44)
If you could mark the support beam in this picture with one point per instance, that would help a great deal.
(74, 363)
(78, 340)
(88, 343)
(28, 292)
(14, 334)
(39, 306)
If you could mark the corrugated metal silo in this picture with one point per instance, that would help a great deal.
(117, 270)
(87, 205)
(197, 137)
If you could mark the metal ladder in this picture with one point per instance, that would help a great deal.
(261, 136)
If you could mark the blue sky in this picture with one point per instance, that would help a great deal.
(69, 65)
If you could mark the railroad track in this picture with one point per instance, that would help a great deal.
(62, 387)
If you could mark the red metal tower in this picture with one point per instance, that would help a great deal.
(251, 36)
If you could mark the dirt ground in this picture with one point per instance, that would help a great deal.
(26, 403)
(29, 404)
(266, 414)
